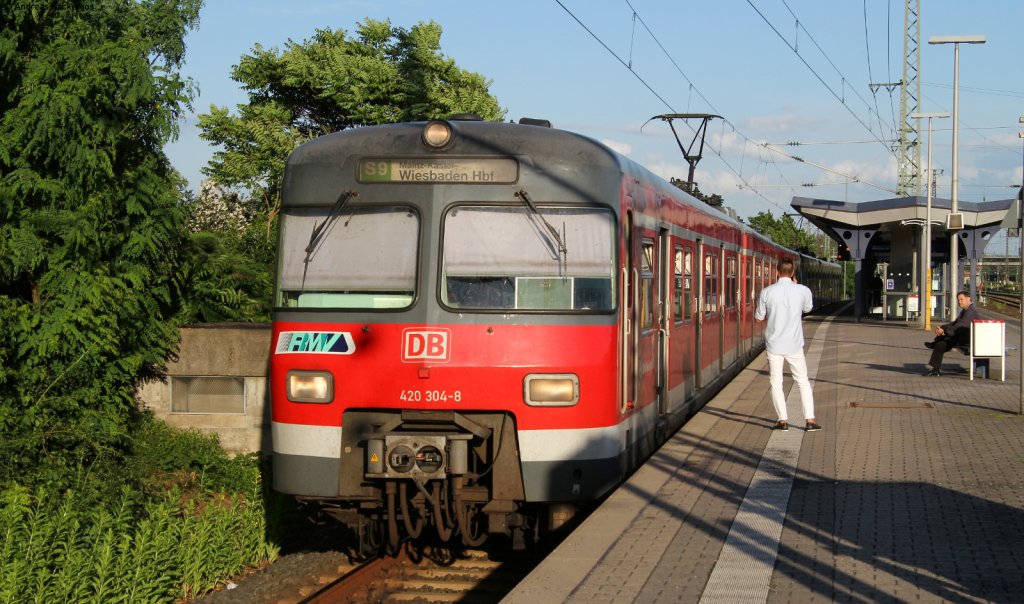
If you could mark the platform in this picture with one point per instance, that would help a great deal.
(912, 492)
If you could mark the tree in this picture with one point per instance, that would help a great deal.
(329, 83)
(223, 275)
(783, 231)
(90, 222)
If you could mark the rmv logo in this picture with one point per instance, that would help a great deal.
(425, 345)
(315, 342)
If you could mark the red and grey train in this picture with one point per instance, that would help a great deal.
(480, 326)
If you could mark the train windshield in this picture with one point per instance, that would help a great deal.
(505, 258)
(364, 258)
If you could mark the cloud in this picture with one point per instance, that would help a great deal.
(728, 142)
(617, 146)
(780, 124)
(879, 173)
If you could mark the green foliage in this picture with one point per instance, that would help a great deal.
(198, 518)
(225, 278)
(783, 231)
(89, 221)
(226, 259)
(332, 82)
(164, 457)
(136, 551)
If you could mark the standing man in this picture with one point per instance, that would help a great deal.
(957, 333)
(784, 303)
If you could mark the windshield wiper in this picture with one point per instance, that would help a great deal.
(318, 229)
(562, 250)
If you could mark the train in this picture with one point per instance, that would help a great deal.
(480, 328)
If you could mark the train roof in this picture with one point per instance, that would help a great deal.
(317, 171)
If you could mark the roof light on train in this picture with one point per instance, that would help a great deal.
(437, 134)
(551, 390)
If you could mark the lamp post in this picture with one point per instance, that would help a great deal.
(1020, 277)
(954, 244)
(927, 272)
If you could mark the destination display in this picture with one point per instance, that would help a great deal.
(447, 170)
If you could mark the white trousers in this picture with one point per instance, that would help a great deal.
(798, 367)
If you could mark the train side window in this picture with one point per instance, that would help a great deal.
(688, 285)
(729, 295)
(710, 283)
(677, 285)
(647, 285)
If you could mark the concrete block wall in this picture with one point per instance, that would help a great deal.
(221, 350)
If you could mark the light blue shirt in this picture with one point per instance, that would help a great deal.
(784, 303)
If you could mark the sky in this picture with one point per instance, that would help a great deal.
(779, 72)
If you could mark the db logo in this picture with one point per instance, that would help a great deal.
(425, 345)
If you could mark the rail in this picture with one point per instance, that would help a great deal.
(432, 576)
(1007, 299)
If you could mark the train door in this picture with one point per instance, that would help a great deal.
(688, 342)
(730, 308)
(698, 339)
(665, 306)
(747, 303)
(646, 381)
(681, 349)
(629, 327)
(718, 270)
(711, 310)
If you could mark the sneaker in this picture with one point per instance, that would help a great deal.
(781, 426)
(812, 427)
(929, 345)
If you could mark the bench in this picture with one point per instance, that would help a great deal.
(988, 341)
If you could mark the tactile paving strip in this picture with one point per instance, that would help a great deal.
(744, 569)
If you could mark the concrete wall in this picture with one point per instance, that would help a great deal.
(230, 349)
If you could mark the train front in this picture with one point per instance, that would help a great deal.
(445, 328)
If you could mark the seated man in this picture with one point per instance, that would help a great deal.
(953, 334)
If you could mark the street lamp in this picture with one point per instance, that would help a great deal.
(1020, 277)
(927, 289)
(952, 222)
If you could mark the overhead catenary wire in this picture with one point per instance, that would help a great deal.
(658, 96)
(871, 77)
(888, 57)
(992, 143)
(748, 139)
(829, 170)
(838, 97)
(745, 183)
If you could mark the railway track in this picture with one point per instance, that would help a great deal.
(431, 575)
(1010, 301)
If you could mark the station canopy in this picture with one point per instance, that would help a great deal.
(884, 214)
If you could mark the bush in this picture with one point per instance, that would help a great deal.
(181, 517)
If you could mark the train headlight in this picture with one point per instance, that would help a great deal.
(310, 386)
(437, 134)
(551, 389)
